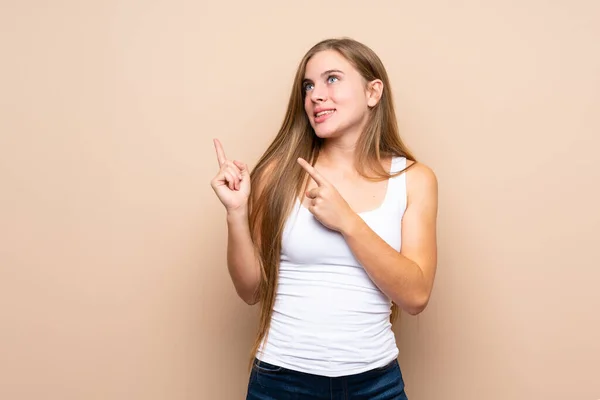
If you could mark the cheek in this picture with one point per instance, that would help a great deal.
(308, 106)
(339, 95)
(348, 97)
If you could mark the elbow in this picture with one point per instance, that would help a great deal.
(247, 289)
(250, 300)
(415, 310)
(417, 305)
(249, 297)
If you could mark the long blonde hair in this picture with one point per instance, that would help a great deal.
(281, 178)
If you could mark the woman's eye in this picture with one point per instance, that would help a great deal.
(308, 86)
(332, 79)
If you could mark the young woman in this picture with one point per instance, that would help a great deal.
(333, 232)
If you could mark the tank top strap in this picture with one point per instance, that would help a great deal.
(398, 164)
(397, 184)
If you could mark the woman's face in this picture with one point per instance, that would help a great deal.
(337, 99)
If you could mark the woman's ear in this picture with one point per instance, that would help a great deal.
(374, 92)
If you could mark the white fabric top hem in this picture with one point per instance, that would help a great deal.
(330, 373)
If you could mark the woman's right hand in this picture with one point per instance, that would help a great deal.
(232, 182)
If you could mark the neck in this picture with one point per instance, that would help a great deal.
(336, 152)
(340, 150)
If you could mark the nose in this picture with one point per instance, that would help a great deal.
(318, 94)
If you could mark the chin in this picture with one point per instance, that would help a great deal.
(325, 132)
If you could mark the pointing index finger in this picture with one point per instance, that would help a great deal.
(220, 153)
(312, 172)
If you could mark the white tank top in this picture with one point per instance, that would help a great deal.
(329, 318)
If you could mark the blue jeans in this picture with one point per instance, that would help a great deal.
(270, 382)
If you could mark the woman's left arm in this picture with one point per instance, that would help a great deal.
(406, 276)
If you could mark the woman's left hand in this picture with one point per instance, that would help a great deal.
(326, 203)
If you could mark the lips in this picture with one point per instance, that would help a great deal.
(323, 114)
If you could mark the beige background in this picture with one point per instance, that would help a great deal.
(113, 282)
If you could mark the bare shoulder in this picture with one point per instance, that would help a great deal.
(421, 182)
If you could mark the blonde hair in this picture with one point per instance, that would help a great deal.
(277, 179)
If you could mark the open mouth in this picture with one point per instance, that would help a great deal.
(323, 115)
(320, 114)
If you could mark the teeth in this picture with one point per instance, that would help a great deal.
(325, 112)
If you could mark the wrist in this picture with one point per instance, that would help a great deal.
(352, 225)
(238, 213)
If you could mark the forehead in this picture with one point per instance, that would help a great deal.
(324, 61)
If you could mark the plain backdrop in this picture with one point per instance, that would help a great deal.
(113, 282)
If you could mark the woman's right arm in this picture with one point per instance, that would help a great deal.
(242, 256)
(232, 186)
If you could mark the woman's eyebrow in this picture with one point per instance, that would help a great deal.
(329, 71)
